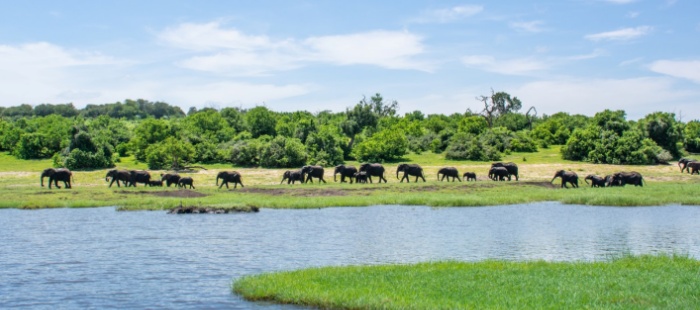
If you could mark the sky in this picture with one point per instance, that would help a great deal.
(574, 56)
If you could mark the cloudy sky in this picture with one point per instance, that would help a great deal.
(576, 56)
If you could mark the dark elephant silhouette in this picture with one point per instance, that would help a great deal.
(596, 181)
(410, 169)
(170, 178)
(55, 175)
(683, 163)
(156, 183)
(312, 172)
(693, 167)
(229, 176)
(345, 172)
(360, 177)
(623, 178)
(185, 181)
(511, 167)
(376, 170)
(448, 172)
(609, 181)
(499, 174)
(469, 176)
(566, 177)
(139, 176)
(292, 176)
(117, 176)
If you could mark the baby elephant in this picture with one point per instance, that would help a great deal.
(360, 177)
(186, 181)
(157, 183)
(469, 176)
(596, 181)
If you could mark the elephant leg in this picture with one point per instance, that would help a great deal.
(324, 181)
(55, 182)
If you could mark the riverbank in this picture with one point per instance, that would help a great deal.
(667, 282)
(19, 187)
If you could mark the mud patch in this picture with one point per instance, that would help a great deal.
(210, 210)
(182, 193)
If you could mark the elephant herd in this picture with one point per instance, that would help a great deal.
(497, 172)
(616, 179)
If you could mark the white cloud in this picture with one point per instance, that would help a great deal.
(637, 96)
(446, 15)
(211, 36)
(621, 34)
(633, 14)
(516, 66)
(388, 49)
(681, 69)
(532, 26)
(232, 52)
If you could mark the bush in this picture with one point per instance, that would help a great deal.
(246, 153)
(468, 147)
(385, 145)
(283, 152)
(78, 159)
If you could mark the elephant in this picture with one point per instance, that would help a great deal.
(292, 176)
(373, 170)
(410, 169)
(693, 167)
(511, 167)
(312, 172)
(566, 177)
(596, 181)
(360, 177)
(186, 181)
(448, 172)
(139, 176)
(229, 176)
(609, 181)
(683, 163)
(499, 174)
(55, 175)
(469, 176)
(632, 177)
(157, 183)
(170, 178)
(118, 175)
(345, 171)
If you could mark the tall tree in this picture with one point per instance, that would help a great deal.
(498, 104)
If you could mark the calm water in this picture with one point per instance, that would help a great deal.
(100, 258)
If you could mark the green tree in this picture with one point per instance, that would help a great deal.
(663, 128)
(147, 133)
(385, 145)
(261, 121)
(691, 136)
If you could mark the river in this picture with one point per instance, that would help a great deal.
(101, 258)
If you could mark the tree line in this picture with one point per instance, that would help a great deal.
(372, 130)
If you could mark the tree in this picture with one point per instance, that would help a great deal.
(498, 104)
(386, 145)
(663, 128)
(261, 121)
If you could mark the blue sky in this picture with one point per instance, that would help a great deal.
(576, 56)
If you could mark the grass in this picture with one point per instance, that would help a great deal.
(630, 282)
(664, 185)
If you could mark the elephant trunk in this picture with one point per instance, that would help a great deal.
(586, 180)
(554, 178)
(42, 180)
(217, 181)
(335, 179)
(438, 176)
(397, 173)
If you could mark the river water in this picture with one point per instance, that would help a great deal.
(101, 258)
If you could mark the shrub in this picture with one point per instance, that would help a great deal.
(385, 145)
(283, 152)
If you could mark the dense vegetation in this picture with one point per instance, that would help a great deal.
(164, 137)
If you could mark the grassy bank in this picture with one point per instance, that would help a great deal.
(19, 187)
(641, 282)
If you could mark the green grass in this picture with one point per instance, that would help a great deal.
(631, 282)
(19, 187)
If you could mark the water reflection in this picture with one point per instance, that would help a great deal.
(97, 258)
